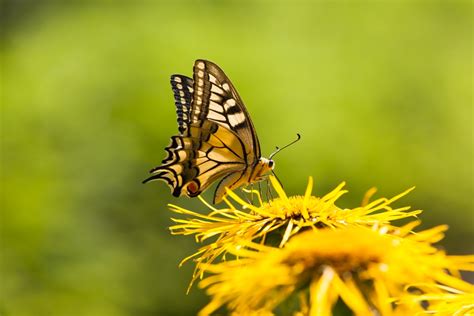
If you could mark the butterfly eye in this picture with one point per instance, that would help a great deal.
(270, 163)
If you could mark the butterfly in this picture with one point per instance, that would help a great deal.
(216, 141)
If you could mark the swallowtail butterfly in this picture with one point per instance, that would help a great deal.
(216, 140)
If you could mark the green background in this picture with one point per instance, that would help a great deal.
(381, 92)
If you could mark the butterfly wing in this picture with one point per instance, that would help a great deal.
(183, 97)
(217, 138)
(206, 153)
(216, 99)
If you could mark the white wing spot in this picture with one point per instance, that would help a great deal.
(216, 116)
(181, 93)
(236, 118)
(215, 97)
(177, 79)
(212, 79)
(200, 82)
(231, 102)
(200, 65)
(226, 87)
(179, 86)
(215, 106)
(217, 90)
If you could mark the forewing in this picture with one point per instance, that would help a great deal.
(215, 99)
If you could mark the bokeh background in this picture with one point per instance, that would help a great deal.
(381, 92)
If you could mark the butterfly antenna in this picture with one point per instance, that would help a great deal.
(277, 150)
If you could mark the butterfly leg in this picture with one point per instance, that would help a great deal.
(251, 193)
(243, 190)
(260, 189)
(269, 189)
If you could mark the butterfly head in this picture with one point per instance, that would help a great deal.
(268, 164)
(263, 167)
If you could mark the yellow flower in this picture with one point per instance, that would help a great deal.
(233, 226)
(365, 268)
(454, 300)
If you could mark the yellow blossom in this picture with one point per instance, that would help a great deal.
(232, 226)
(365, 268)
(454, 300)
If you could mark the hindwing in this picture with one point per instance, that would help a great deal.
(194, 161)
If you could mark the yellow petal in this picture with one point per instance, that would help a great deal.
(319, 294)
(307, 194)
(368, 195)
(352, 296)
(240, 201)
(277, 186)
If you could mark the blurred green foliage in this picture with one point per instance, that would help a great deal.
(381, 92)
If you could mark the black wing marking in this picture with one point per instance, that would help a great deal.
(183, 97)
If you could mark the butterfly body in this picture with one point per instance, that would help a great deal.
(216, 141)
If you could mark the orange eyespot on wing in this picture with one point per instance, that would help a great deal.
(193, 188)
